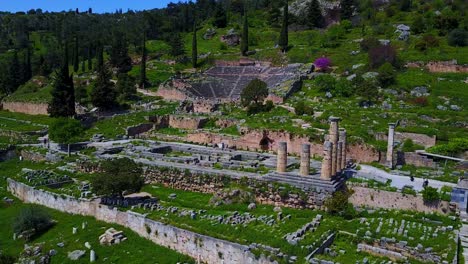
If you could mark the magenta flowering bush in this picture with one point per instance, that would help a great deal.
(322, 63)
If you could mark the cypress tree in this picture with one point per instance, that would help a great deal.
(283, 40)
(14, 75)
(63, 93)
(143, 81)
(245, 35)
(76, 60)
(194, 47)
(314, 14)
(119, 54)
(28, 68)
(100, 57)
(83, 67)
(90, 59)
(103, 94)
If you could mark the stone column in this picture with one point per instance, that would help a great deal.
(282, 159)
(334, 140)
(391, 132)
(327, 161)
(339, 149)
(305, 160)
(343, 148)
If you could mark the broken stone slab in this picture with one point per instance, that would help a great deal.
(77, 254)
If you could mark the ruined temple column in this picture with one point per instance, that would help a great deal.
(327, 161)
(343, 148)
(391, 132)
(334, 140)
(339, 150)
(305, 160)
(282, 159)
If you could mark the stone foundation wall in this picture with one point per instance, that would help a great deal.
(205, 248)
(224, 123)
(265, 193)
(204, 107)
(393, 200)
(26, 108)
(446, 66)
(32, 156)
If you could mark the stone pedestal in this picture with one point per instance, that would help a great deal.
(391, 133)
(305, 160)
(282, 160)
(334, 140)
(343, 148)
(327, 161)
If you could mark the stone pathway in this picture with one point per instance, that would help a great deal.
(398, 181)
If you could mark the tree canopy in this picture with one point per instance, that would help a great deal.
(255, 92)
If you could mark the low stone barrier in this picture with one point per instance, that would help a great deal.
(26, 108)
(203, 248)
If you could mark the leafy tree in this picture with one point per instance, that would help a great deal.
(346, 9)
(386, 75)
(284, 39)
(103, 94)
(458, 38)
(126, 86)
(405, 5)
(427, 41)
(303, 109)
(418, 26)
(324, 82)
(32, 220)
(7, 259)
(314, 14)
(255, 92)
(245, 36)
(369, 43)
(63, 92)
(118, 176)
(14, 76)
(367, 88)
(382, 54)
(66, 131)
(430, 194)
(194, 47)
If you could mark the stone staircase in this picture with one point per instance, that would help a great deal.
(311, 182)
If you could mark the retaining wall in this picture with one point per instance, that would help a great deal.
(206, 249)
(26, 108)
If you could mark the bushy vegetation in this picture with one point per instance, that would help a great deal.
(31, 221)
(454, 147)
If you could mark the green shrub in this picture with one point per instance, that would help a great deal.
(32, 220)
(455, 146)
(458, 37)
(430, 194)
(303, 109)
(386, 75)
(409, 146)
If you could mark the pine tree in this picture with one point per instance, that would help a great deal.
(194, 47)
(245, 35)
(143, 80)
(314, 14)
(177, 45)
(63, 93)
(100, 58)
(283, 40)
(76, 60)
(119, 54)
(220, 17)
(103, 94)
(83, 67)
(347, 9)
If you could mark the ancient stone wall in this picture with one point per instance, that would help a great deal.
(32, 156)
(417, 160)
(171, 94)
(139, 129)
(26, 108)
(446, 66)
(185, 122)
(251, 139)
(224, 122)
(203, 106)
(206, 249)
(420, 139)
(373, 198)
